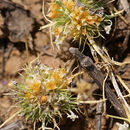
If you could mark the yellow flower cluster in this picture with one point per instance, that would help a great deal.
(82, 17)
(71, 20)
(53, 7)
(38, 85)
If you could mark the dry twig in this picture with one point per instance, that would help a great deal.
(98, 115)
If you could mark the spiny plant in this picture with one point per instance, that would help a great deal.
(82, 19)
(43, 95)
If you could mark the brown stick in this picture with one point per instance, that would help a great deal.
(99, 109)
(91, 69)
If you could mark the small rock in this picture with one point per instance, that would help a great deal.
(15, 52)
(19, 24)
(17, 21)
(13, 65)
(5, 103)
(41, 40)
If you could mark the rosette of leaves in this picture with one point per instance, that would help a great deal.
(79, 19)
(44, 95)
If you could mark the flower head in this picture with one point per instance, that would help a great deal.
(43, 95)
(76, 21)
